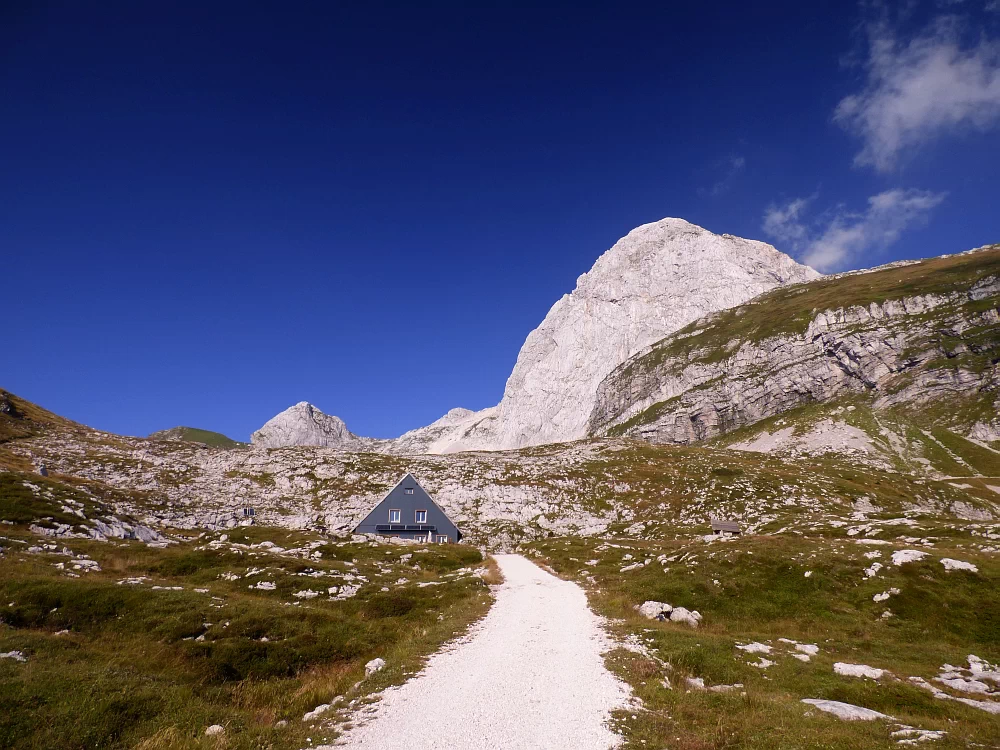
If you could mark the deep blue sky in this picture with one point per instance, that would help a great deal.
(211, 211)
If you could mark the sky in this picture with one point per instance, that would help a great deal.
(212, 211)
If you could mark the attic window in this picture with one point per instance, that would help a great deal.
(395, 515)
(408, 491)
(421, 516)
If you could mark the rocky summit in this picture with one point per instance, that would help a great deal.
(652, 282)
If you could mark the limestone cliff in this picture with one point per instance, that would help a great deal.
(909, 334)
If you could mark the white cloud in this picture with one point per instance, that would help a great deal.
(784, 223)
(831, 245)
(921, 89)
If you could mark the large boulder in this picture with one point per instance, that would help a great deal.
(654, 610)
(688, 616)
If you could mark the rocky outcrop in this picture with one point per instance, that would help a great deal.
(900, 351)
(447, 435)
(304, 424)
(655, 280)
(7, 406)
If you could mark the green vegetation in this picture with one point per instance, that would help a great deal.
(194, 435)
(755, 589)
(789, 310)
(160, 643)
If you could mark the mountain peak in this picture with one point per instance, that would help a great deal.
(304, 424)
(655, 280)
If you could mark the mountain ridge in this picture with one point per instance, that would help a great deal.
(657, 278)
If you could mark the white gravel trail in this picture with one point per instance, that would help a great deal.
(529, 675)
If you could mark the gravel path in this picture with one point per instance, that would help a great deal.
(529, 675)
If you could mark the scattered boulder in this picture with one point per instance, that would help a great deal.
(316, 712)
(374, 666)
(859, 670)
(845, 711)
(754, 648)
(662, 611)
(689, 616)
(654, 610)
(950, 565)
(215, 730)
(904, 556)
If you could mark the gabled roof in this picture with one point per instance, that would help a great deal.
(430, 497)
(403, 480)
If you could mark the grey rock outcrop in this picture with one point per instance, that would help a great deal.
(304, 424)
(891, 350)
(655, 280)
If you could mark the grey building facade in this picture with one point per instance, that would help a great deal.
(409, 512)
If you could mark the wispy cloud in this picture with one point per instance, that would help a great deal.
(785, 223)
(729, 168)
(920, 89)
(833, 242)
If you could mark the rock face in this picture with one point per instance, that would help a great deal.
(655, 280)
(304, 424)
(902, 351)
(446, 435)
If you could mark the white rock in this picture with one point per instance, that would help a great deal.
(304, 424)
(950, 564)
(754, 648)
(845, 711)
(873, 570)
(316, 712)
(689, 616)
(15, 655)
(655, 280)
(215, 730)
(904, 556)
(374, 666)
(885, 595)
(653, 610)
(858, 670)
(909, 736)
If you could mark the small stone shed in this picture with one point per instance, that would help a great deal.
(725, 528)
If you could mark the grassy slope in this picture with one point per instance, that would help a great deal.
(755, 589)
(194, 435)
(127, 646)
(130, 672)
(788, 310)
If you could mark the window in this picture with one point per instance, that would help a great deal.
(395, 516)
(420, 516)
(407, 490)
(442, 539)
